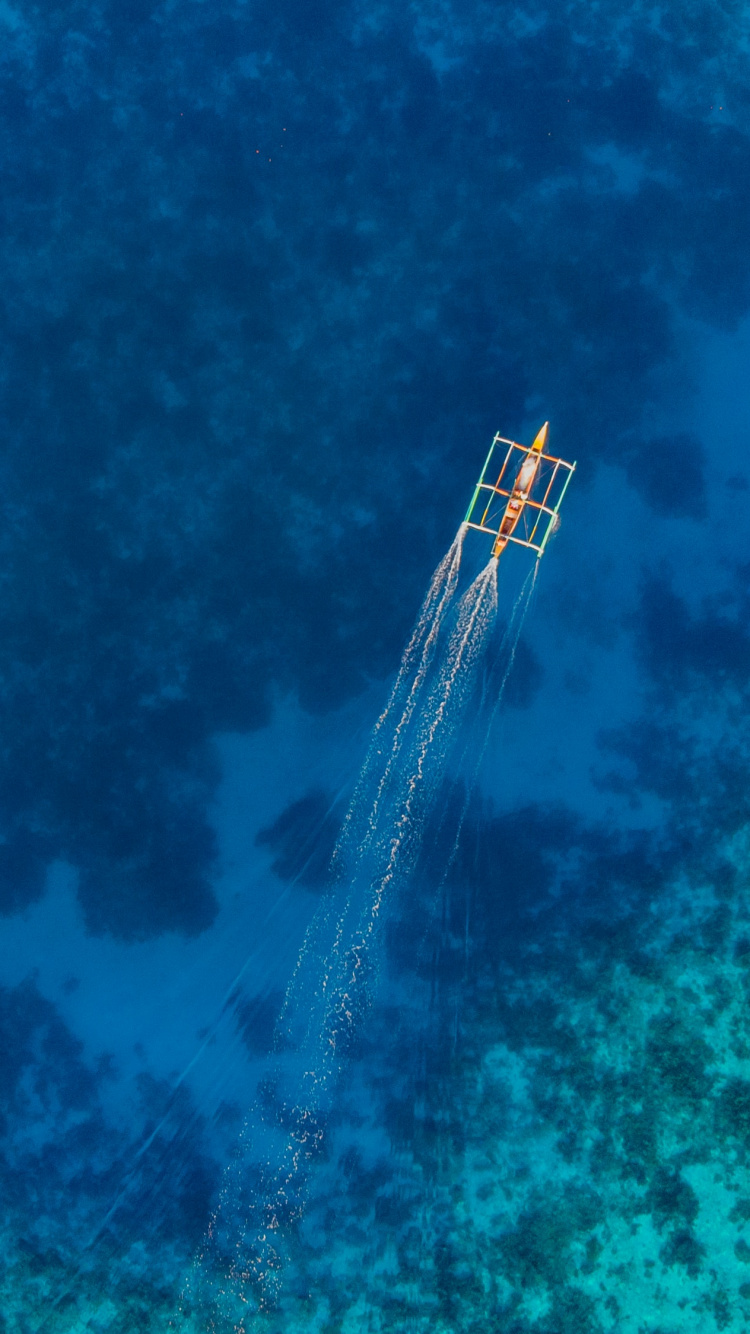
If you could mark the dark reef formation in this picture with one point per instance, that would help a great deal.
(302, 839)
(64, 1165)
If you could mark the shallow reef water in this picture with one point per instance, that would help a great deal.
(274, 273)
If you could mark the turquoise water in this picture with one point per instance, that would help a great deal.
(273, 275)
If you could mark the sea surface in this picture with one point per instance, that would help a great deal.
(274, 272)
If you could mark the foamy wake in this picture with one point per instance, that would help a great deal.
(240, 1270)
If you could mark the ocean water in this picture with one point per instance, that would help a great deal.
(331, 999)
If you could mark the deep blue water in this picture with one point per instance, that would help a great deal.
(273, 275)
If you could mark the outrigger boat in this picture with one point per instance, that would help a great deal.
(510, 512)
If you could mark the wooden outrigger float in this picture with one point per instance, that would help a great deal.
(510, 513)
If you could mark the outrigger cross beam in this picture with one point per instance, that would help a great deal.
(510, 514)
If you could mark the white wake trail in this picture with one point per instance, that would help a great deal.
(423, 767)
(476, 616)
(361, 820)
(413, 671)
(264, 1191)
